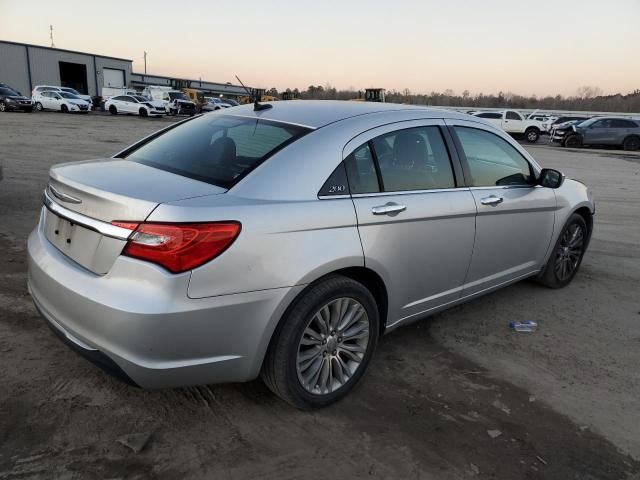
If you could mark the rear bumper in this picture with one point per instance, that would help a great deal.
(139, 320)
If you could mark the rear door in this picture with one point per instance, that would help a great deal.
(416, 224)
(515, 219)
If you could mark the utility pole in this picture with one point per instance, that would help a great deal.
(145, 63)
(51, 36)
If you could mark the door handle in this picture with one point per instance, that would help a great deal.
(491, 200)
(388, 209)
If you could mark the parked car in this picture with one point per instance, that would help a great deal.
(549, 125)
(559, 131)
(182, 260)
(514, 124)
(12, 100)
(214, 103)
(230, 101)
(135, 104)
(610, 131)
(52, 88)
(62, 101)
(175, 101)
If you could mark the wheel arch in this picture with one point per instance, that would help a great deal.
(633, 135)
(368, 277)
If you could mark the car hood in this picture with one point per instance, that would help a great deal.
(155, 103)
(17, 97)
(78, 102)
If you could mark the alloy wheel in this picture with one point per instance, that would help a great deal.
(332, 346)
(569, 252)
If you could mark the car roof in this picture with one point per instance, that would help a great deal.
(318, 113)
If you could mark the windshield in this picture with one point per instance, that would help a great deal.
(140, 98)
(586, 123)
(68, 95)
(70, 90)
(7, 91)
(177, 96)
(219, 150)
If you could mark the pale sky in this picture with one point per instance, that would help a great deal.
(529, 47)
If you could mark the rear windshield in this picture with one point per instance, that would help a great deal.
(217, 149)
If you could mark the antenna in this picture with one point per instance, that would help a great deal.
(145, 63)
(257, 106)
(51, 36)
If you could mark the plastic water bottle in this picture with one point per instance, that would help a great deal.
(526, 326)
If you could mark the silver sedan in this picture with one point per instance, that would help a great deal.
(283, 240)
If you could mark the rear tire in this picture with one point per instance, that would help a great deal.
(631, 143)
(572, 141)
(64, 108)
(532, 135)
(319, 352)
(113, 110)
(566, 257)
(143, 112)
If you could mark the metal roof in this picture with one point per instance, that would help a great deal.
(65, 50)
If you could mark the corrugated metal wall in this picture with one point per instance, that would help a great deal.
(45, 67)
(13, 67)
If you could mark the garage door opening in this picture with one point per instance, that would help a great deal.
(74, 75)
(113, 77)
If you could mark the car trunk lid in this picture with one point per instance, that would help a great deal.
(83, 199)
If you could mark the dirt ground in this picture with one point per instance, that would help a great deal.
(454, 396)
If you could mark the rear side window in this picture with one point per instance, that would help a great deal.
(491, 160)
(619, 123)
(217, 149)
(413, 159)
(361, 171)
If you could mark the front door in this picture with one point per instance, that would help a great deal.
(512, 122)
(515, 219)
(416, 225)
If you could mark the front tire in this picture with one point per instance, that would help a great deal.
(565, 260)
(39, 106)
(631, 143)
(64, 108)
(572, 141)
(143, 112)
(323, 344)
(3, 107)
(532, 135)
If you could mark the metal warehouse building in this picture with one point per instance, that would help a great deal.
(24, 66)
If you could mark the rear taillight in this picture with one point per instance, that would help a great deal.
(179, 247)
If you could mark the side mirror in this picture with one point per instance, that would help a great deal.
(550, 178)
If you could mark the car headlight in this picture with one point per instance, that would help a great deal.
(11, 100)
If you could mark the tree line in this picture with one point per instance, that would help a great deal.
(587, 98)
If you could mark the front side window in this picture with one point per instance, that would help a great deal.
(491, 160)
(513, 116)
(413, 159)
(216, 149)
